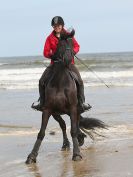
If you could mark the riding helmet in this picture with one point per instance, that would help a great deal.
(57, 20)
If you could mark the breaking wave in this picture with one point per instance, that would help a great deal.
(24, 72)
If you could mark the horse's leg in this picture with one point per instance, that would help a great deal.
(66, 143)
(74, 133)
(32, 156)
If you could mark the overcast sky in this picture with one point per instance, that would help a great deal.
(101, 25)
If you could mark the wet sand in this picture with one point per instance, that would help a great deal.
(100, 159)
(105, 157)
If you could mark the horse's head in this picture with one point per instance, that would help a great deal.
(64, 51)
(65, 35)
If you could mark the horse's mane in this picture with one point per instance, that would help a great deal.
(64, 49)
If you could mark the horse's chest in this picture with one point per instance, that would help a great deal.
(57, 101)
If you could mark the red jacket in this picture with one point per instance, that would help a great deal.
(51, 45)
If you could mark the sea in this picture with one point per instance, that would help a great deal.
(113, 69)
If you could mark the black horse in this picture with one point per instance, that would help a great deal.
(61, 98)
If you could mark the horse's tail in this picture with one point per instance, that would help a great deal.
(91, 123)
(89, 126)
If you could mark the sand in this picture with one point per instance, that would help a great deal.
(105, 157)
(100, 159)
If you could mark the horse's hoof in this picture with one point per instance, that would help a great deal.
(67, 148)
(77, 157)
(30, 160)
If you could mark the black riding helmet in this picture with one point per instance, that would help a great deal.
(57, 20)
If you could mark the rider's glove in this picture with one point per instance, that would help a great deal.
(53, 57)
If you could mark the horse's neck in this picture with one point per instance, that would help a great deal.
(59, 71)
(60, 74)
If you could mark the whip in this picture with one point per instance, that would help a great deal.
(91, 71)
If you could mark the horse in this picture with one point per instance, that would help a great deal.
(60, 99)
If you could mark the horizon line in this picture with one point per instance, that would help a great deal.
(91, 53)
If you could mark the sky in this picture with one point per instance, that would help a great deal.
(100, 25)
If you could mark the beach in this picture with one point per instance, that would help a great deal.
(54, 56)
(106, 156)
(109, 155)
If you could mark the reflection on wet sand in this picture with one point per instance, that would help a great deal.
(34, 169)
(88, 166)
(99, 160)
(62, 166)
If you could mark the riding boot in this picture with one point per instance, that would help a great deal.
(40, 105)
(81, 99)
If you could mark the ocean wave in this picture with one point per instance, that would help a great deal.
(103, 74)
(1, 64)
(110, 74)
(35, 85)
(116, 84)
(27, 78)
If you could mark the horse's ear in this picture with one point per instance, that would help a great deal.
(72, 33)
(65, 35)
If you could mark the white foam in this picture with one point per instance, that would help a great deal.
(105, 74)
(27, 78)
(19, 133)
(1, 64)
(21, 74)
(115, 84)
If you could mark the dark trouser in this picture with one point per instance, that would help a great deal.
(47, 73)
(79, 83)
(42, 82)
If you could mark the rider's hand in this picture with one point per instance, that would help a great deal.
(53, 57)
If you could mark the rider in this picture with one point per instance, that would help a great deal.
(49, 52)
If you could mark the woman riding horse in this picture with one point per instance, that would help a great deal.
(50, 51)
(61, 98)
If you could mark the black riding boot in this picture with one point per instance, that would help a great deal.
(81, 99)
(40, 105)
